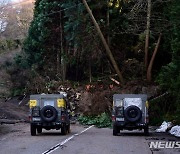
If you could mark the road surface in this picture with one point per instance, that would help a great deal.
(16, 139)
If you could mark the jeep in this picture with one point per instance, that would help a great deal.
(49, 111)
(130, 111)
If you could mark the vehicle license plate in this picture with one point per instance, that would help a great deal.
(36, 119)
(119, 119)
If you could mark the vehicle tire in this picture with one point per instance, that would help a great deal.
(118, 130)
(68, 128)
(146, 130)
(115, 130)
(64, 130)
(132, 113)
(48, 113)
(39, 130)
(33, 130)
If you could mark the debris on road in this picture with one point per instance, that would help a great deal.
(175, 131)
(165, 126)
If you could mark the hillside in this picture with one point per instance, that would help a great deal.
(116, 47)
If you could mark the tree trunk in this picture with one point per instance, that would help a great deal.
(104, 43)
(108, 23)
(58, 62)
(147, 34)
(90, 71)
(63, 63)
(149, 71)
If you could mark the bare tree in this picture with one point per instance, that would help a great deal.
(3, 14)
(16, 20)
(24, 17)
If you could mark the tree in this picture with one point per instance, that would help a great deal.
(18, 19)
(43, 41)
(3, 15)
(104, 43)
(169, 77)
(149, 70)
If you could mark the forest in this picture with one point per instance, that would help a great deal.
(63, 46)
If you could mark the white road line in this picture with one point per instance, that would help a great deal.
(57, 146)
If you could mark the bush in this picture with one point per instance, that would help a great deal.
(9, 45)
(101, 121)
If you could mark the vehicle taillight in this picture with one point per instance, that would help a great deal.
(113, 118)
(30, 118)
(63, 118)
(147, 119)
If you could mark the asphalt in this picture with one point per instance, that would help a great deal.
(16, 139)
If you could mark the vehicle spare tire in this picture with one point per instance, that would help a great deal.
(48, 113)
(132, 113)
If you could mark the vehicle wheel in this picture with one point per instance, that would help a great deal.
(63, 130)
(118, 130)
(39, 130)
(68, 128)
(132, 113)
(33, 130)
(48, 113)
(146, 130)
(115, 130)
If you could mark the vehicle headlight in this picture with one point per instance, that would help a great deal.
(32, 103)
(61, 103)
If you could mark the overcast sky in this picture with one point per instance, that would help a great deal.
(15, 0)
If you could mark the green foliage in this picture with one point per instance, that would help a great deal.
(43, 36)
(169, 77)
(6, 45)
(101, 121)
(17, 92)
(162, 109)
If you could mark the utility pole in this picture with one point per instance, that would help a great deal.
(108, 51)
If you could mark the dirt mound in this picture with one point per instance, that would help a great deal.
(96, 99)
(92, 99)
(11, 109)
(95, 103)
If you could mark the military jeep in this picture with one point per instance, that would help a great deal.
(49, 111)
(130, 111)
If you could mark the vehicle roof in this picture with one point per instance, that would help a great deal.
(122, 96)
(40, 96)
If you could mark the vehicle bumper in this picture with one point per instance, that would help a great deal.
(126, 125)
(50, 125)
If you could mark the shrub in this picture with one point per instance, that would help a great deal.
(101, 121)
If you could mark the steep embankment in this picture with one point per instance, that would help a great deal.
(5, 59)
(10, 109)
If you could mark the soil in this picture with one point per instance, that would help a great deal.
(93, 101)
(98, 98)
(12, 110)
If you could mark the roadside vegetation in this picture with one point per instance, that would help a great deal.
(101, 121)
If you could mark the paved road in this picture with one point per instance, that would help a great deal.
(16, 139)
